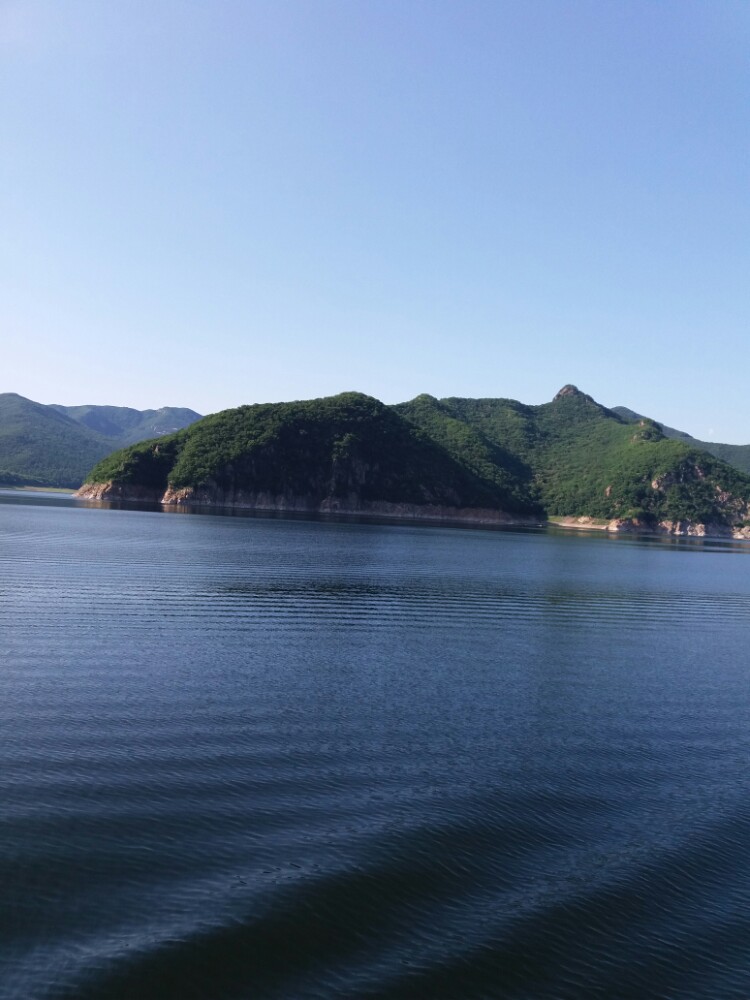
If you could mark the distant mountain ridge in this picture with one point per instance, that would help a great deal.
(462, 459)
(54, 445)
(127, 425)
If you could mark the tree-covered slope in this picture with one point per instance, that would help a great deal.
(55, 445)
(583, 459)
(349, 446)
(737, 455)
(491, 457)
(40, 445)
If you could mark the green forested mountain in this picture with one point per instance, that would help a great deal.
(339, 447)
(737, 455)
(567, 457)
(56, 446)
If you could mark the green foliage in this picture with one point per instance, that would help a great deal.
(503, 472)
(146, 464)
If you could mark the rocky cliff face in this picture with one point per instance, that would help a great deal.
(118, 492)
(684, 528)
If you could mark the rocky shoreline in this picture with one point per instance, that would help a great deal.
(353, 505)
(677, 529)
(261, 501)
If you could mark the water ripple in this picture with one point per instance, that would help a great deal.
(268, 759)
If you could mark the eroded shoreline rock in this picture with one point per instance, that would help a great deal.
(353, 505)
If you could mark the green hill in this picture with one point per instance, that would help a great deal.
(570, 457)
(349, 447)
(56, 445)
(737, 455)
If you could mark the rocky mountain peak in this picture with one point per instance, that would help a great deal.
(568, 390)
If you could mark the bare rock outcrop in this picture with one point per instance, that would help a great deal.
(118, 491)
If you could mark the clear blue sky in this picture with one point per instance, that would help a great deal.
(213, 203)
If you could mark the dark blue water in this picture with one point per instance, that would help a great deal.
(265, 758)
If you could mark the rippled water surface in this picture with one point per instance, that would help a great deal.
(264, 758)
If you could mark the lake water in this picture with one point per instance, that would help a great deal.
(246, 757)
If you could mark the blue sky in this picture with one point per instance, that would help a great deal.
(208, 204)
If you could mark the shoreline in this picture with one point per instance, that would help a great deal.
(66, 490)
(582, 523)
(405, 512)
